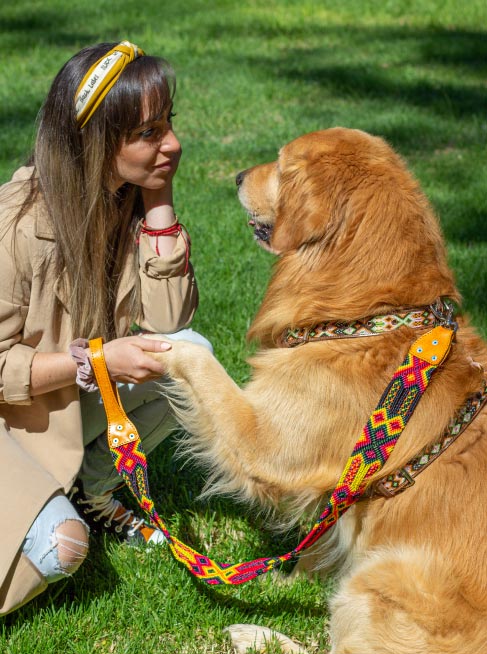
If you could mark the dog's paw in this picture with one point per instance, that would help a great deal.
(247, 636)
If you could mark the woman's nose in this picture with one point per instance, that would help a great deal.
(170, 142)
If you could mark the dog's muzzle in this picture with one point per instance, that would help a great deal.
(262, 232)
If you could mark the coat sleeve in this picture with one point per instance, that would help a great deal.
(15, 357)
(169, 295)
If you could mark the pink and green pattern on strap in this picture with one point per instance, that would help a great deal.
(372, 449)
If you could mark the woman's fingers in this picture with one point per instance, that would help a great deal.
(128, 359)
(153, 345)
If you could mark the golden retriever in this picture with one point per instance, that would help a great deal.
(355, 237)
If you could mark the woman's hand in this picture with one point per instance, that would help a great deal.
(128, 359)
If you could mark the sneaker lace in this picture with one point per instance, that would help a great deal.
(106, 506)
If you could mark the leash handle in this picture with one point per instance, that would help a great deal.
(121, 430)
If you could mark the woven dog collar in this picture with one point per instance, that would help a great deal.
(419, 318)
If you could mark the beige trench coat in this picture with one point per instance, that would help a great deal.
(41, 437)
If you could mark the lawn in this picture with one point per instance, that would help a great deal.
(251, 76)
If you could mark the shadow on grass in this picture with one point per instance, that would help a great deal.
(375, 79)
(95, 578)
(374, 75)
(422, 89)
(263, 605)
(43, 25)
(367, 62)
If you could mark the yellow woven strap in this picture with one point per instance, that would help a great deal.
(101, 77)
(120, 428)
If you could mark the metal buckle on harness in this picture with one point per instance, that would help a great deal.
(409, 481)
(385, 487)
(443, 311)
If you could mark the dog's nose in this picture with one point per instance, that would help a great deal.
(239, 178)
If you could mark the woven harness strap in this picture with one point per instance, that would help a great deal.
(403, 478)
(373, 448)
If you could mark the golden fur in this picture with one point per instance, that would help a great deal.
(355, 237)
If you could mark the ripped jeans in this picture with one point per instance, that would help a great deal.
(57, 542)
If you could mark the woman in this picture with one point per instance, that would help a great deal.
(90, 246)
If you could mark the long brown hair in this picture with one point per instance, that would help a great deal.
(94, 227)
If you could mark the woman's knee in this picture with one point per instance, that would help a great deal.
(57, 542)
(71, 537)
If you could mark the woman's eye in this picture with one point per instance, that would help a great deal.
(147, 133)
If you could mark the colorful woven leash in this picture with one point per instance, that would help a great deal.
(373, 448)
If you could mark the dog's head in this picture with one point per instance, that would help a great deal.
(353, 229)
(305, 194)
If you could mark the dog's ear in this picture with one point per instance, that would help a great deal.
(318, 177)
(303, 207)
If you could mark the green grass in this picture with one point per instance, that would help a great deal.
(251, 76)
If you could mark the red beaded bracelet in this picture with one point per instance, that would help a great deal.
(174, 229)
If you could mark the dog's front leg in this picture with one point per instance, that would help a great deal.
(220, 418)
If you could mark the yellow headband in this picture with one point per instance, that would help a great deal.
(101, 77)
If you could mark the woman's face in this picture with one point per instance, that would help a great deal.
(149, 157)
